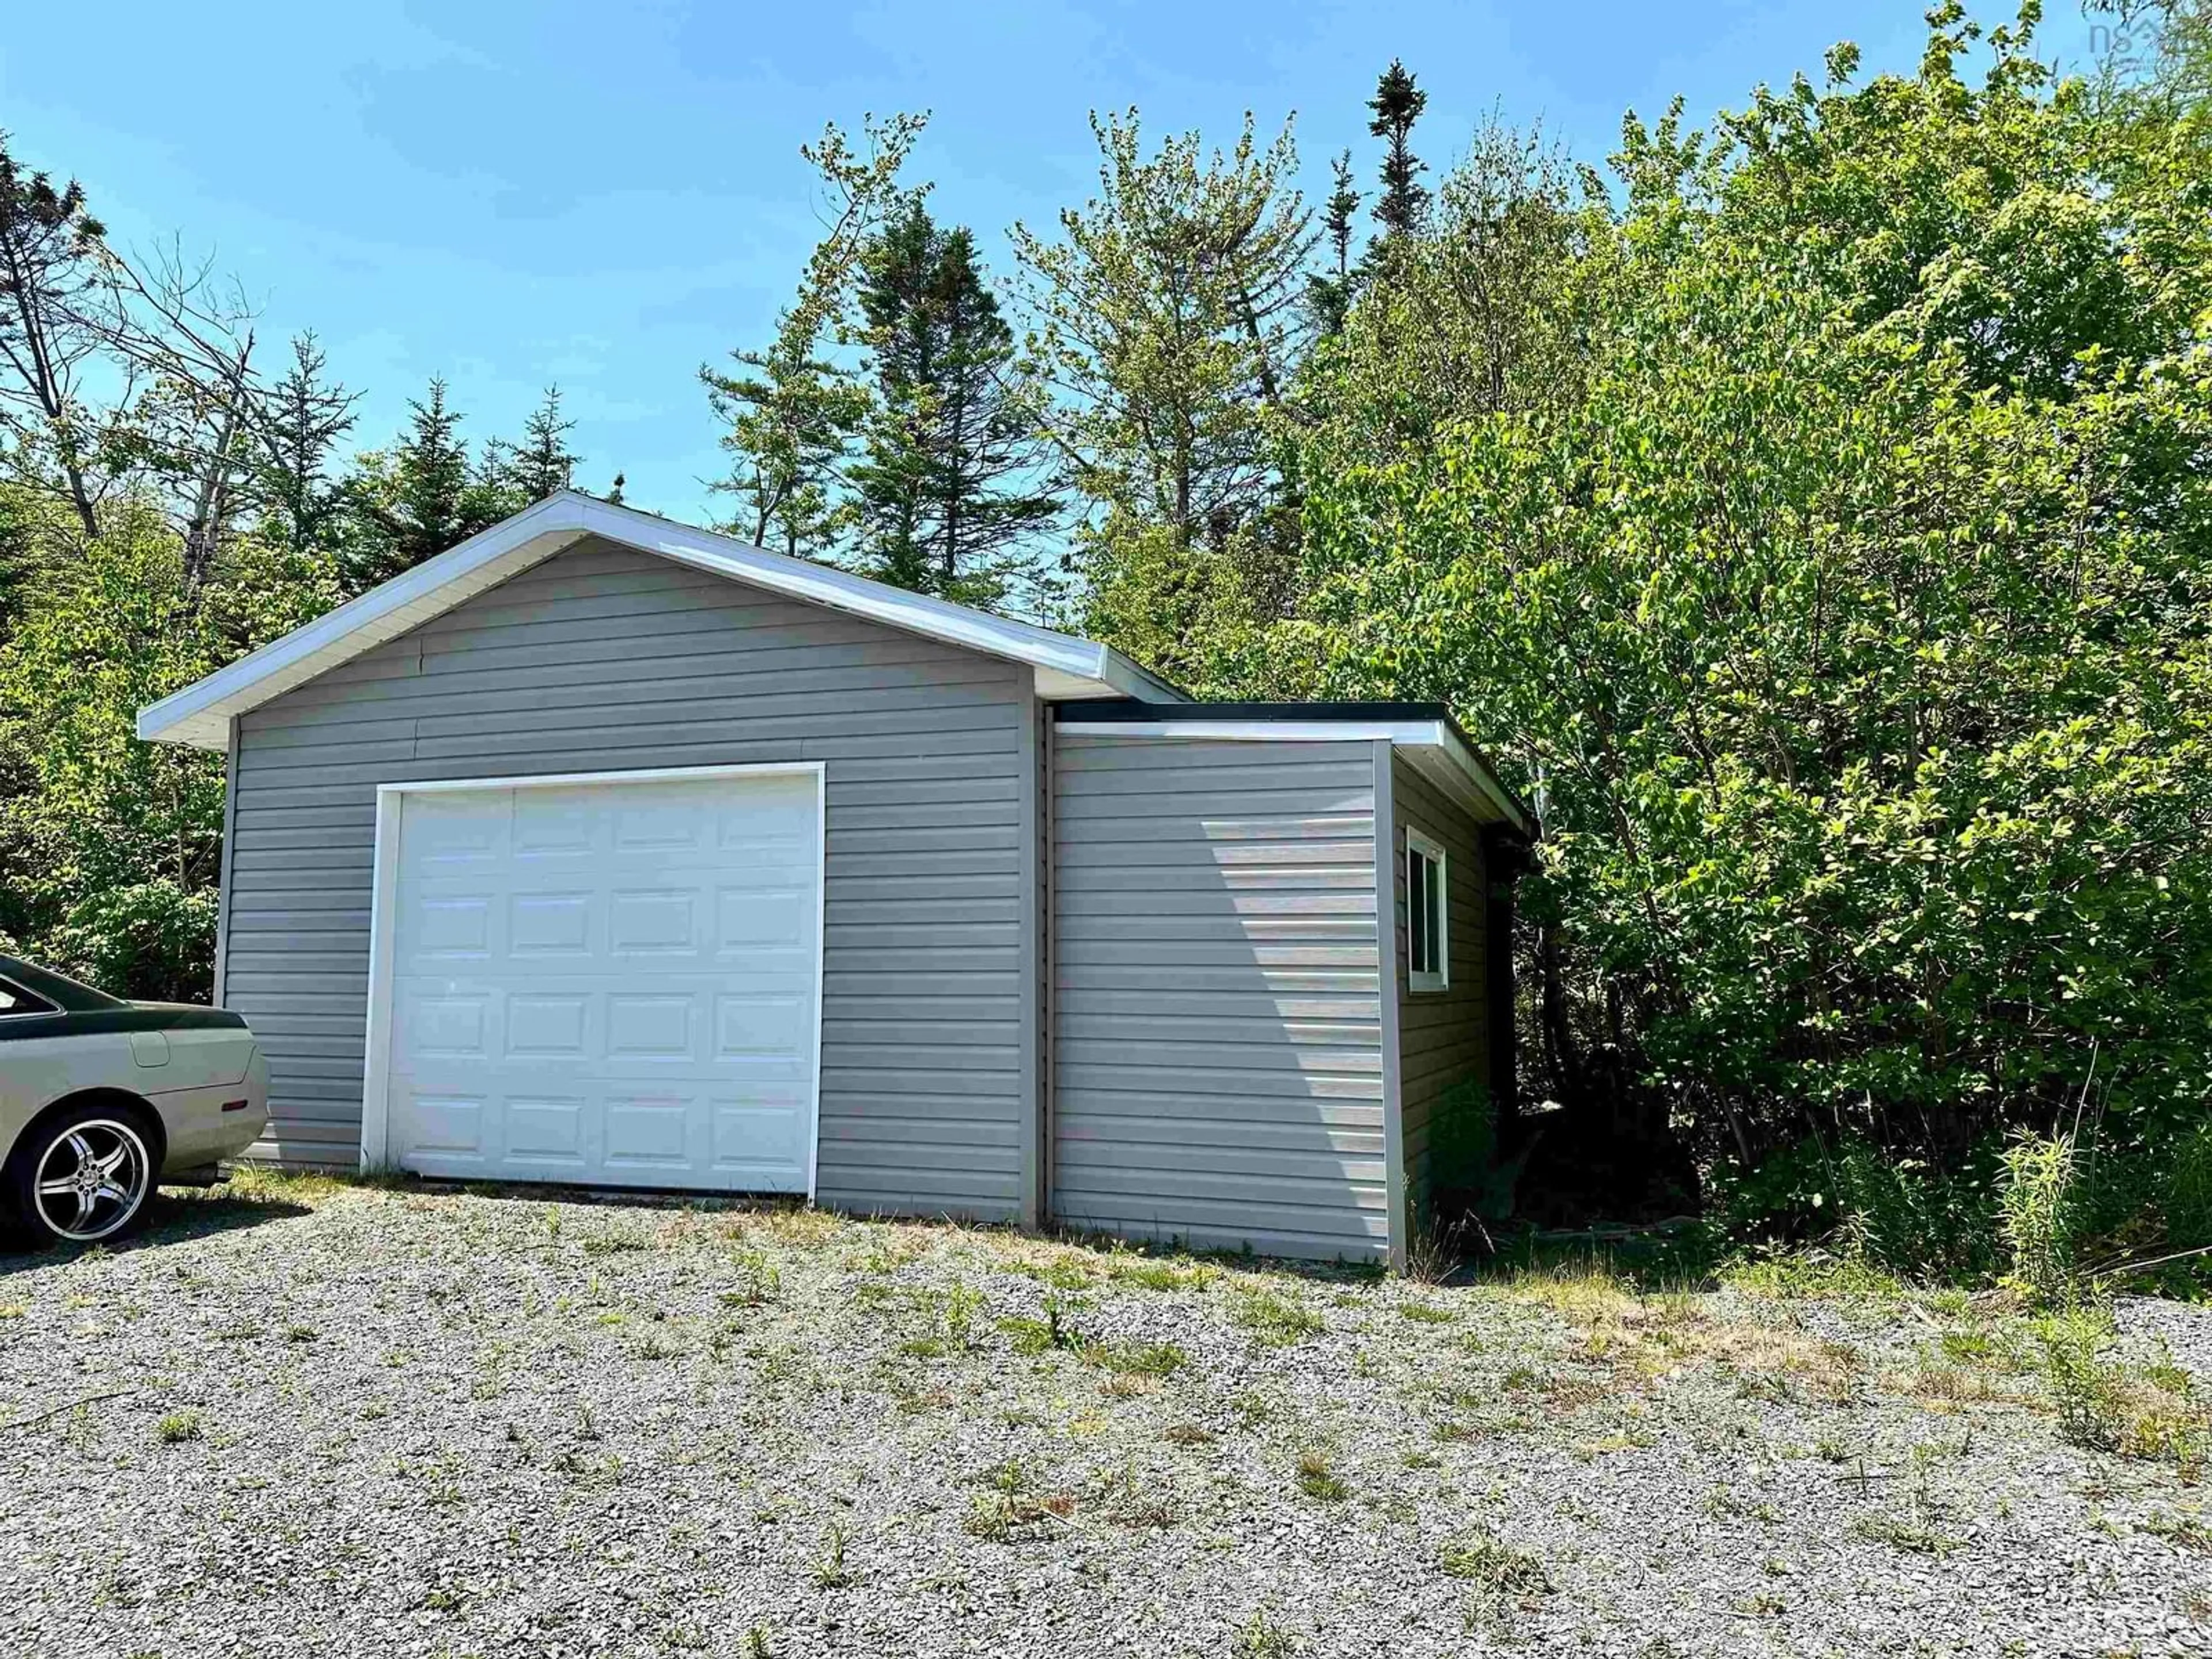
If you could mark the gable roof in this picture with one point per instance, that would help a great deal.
(200, 715)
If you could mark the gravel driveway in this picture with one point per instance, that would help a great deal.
(318, 1419)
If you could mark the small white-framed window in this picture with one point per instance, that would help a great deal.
(1428, 943)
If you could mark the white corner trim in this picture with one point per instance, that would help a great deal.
(1480, 791)
(197, 714)
(384, 886)
(376, 1062)
(1385, 873)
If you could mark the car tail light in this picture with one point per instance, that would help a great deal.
(236, 1105)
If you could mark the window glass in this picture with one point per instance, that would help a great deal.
(1427, 950)
(1417, 909)
(15, 1001)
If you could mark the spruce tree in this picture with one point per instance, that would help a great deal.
(1397, 104)
(304, 416)
(543, 464)
(421, 498)
(939, 492)
(1330, 293)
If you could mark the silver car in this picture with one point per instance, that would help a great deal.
(101, 1098)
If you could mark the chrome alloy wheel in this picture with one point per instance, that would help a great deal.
(91, 1180)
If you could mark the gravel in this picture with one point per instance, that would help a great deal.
(316, 1418)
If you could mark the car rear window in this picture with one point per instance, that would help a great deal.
(14, 1000)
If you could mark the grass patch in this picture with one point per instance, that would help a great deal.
(2151, 1413)
(1260, 1637)
(1010, 1510)
(1495, 1566)
(1318, 1480)
(1164, 1276)
(756, 1280)
(830, 1572)
(178, 1427)
(1064, 1270)
(1814, 1275)
(1055, 1330)
(2184, 1532)
(1276, 1321)
(1137, 1358)
(1908, 1534)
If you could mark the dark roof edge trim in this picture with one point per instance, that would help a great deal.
(1297, 720)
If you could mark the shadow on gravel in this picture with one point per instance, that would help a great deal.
(175, 1218)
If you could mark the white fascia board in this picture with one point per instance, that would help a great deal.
(1066, 666)
(1458, 769)
(201, 712)
(841, 590)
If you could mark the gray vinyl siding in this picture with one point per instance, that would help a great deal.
(604, 659)
(1441, 1035)
(1217, 1047)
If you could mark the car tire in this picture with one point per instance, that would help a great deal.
(84, 1176)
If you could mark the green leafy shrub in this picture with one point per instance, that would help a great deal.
(2186, 1198)
(1755, 534)
(2041, 1216)
(1905, 1219)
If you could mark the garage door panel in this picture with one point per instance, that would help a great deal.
(453, 833)
(549, 924)
(451, 927)
(644, 1025)
(756, 1026)
(448, 1124)
(547, 1132)
(615, 982)
(748, 919)
(655, 921)
(756, 1143)
(450, 1025)
(548, 1025)
(549, 825)
(654, 1132)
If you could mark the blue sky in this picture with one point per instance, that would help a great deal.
(512, 193)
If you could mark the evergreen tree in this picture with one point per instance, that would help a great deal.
(1330, 293)
(542, 464)
(303, 417)
(421, 498)
(1397, 104)
(938, 494)
(792, 411)
(433, 476)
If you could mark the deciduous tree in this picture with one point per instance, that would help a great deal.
(1168, 327)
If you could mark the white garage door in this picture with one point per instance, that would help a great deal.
(607, 982)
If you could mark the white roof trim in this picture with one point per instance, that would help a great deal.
(201, 714)
(1442, 753)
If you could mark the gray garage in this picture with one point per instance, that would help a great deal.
(604, 850)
